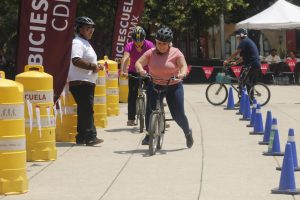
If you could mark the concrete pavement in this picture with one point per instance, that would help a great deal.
(225, 162)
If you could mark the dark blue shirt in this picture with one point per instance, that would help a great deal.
(249, 52)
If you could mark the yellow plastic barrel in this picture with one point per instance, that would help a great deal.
(39, 114)
(123, 89)
(100, 108)
(68, 120)
(112, 86)
(13, 178)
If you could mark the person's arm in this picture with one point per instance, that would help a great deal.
(79, 62)
(237, 52)
(181, 62)
(124, 63)
(140, 63)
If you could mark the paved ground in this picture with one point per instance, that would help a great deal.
(225, 162)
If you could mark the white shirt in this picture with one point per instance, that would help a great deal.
(82, 48)
(272, 59)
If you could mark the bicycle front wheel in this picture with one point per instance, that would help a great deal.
(154, 132)
(216, 93)
(261, 93)
(140, 110)
(162, 125)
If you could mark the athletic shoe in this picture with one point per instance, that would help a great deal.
(189, 139)
(94, 141)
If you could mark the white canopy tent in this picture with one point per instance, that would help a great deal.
(281, 15)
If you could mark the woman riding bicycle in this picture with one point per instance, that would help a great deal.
(133, 51)
(248, 52)
(165, 62)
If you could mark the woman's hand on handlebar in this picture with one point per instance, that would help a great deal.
(143, 73)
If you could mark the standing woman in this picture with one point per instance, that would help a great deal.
(165, 62)
(133, 51)
(82, 78)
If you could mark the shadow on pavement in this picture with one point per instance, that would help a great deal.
(145, 152)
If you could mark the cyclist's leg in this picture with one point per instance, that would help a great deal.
(132, 95)
(151, 103)
(252, 79)
(175, 100)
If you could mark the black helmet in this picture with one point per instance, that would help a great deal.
(164, 34)
(138, 34)
(80, 21)
(242, 32)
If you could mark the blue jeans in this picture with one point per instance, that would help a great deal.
(175, 100)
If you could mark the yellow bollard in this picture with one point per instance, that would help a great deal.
(13, 178)
(39, 114)
(100, 108)
(123, 89)
(112, 86)
(68, 121)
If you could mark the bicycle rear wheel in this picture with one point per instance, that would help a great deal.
(154, 132)
(216, 93)
(261, 93)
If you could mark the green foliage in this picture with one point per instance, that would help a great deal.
(103, 14)
(8, 24)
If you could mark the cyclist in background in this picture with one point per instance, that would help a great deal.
(133, 51)
(165, 62)
(248, 52)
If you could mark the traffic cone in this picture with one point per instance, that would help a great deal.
(274, 143)
(247, 111)
(253, 112)
(241, 109)
(291, 140)
(230, 100)
(287, 184)
(258, 122)
(268, 127)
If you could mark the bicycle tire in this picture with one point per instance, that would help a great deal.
(160, 139)
(140, 110)
(141, 122)
(261, 93)
(216, 93)
(153, 133)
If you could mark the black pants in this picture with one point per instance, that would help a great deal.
(133, 85)
(84, 98)
(251, 79)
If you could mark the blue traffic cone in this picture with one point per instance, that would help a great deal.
(258, 123)
(247, 110)
(291, 140)
(274, 143)
(287, 184)
(241, 109)
(253, 112)
(230, 100)
(268, 127)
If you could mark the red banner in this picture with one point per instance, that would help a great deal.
(208, 70)
(291, 64)
(127, 18)
(264, 68)
(236, 70)
(45, 37)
